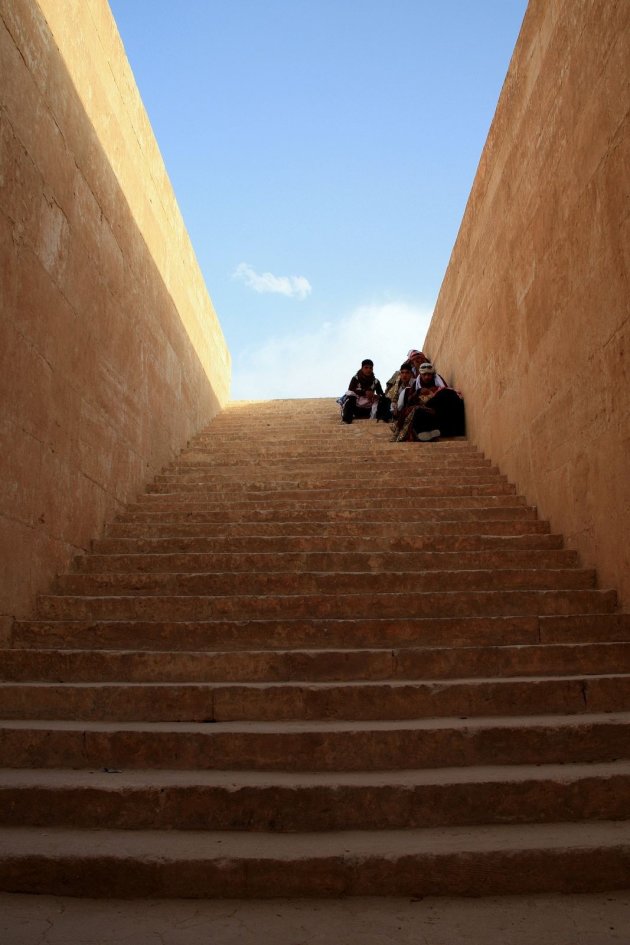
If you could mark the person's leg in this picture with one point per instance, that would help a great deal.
(347, 411)
(384, 409)
(403, 426)
(449, 409)
(425, 425)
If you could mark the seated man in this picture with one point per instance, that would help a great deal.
(439, 410)
(397, 384)
(364, 397)
(419, 357)
(427, 411)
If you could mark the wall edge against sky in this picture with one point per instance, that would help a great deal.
(155, 209)
(538, 280)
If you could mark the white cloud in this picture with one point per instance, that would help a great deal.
(294, 287)
(320, 362)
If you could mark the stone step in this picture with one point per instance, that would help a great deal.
(288, 802)
(328, 457)
(358, 605)
(466, 497)
(371, 440)
(324, 438)
(410, 662)
(316, 745)
(369, 517)
(332, 561)
(439, 631)
(386, 545)
(316, 457)
(383, 488)
(364, 441)
(254, 491)
(291, 669)
(444, 507)
(192, 480)
(377, 444)
(324, 425)
(314, 701)
(431, 529)
(453, 861)
(342, 471)
(207, 495)
(238, 583)
(410, 457)
(316, 430)
(363, 437)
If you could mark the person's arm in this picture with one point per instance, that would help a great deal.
(409, 396)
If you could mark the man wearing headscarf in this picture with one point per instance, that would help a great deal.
(364, 397)
(439, 410)
(396, 385)
(419, 357)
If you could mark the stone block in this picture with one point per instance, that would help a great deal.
(533, 297)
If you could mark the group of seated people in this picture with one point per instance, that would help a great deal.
(417, 400)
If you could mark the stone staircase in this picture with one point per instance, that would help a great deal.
(312, 662)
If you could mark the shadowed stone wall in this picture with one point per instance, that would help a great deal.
(532, 320)
(111, 355)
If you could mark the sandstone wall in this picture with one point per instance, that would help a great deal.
(532, 320)
(111, 354)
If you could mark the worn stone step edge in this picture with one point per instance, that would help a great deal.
(292, 583)
(409, 458)
(167, 503)
(443, 451)
(325, 438)
(371, 459)
(290, 521)
(363, 604)
(188, 480)
(376, 532)
(301, 701)
(338, 490)
(355, 437)
(288, 802)
(188, 493)
(305, 474)
(485, 506)
(316, 745)
(322, 429)
(362, 435)
(435, 861)
(204, 496)
(532, 542)
(297, 633)
(335, 453)
(333, 561)
(94, 665)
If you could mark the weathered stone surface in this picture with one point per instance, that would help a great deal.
(532, 320)
(470, 861)
(287, 802)
(106, 340)
(286, 674)
(453, 704)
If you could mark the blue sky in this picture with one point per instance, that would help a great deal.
(322, 152)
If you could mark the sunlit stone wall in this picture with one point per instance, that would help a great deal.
(533, 317)
(111, 355)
